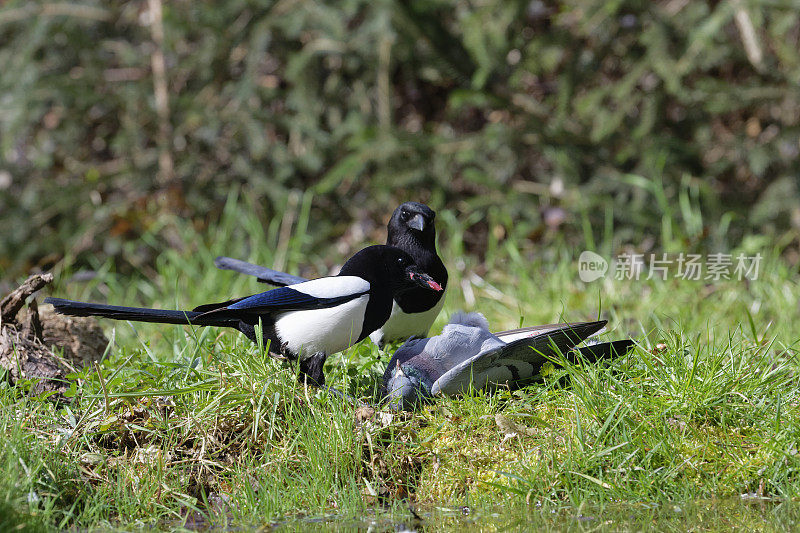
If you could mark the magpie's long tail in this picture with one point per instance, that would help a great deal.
(140, 314)
(264, 274)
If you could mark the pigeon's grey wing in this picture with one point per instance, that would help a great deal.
(517, 360)
(591, 354)
(531, 331)
(264, 274)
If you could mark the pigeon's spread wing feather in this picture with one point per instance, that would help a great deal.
(514, 361)
(532, 331)
(605, 350)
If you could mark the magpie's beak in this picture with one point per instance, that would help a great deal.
(417, 222)
(423, 280)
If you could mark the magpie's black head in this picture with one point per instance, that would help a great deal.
(412, 221)
(388, 267)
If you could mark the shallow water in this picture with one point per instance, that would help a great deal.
(726, 515)
(713, 515)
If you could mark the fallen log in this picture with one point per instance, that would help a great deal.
(41, 346)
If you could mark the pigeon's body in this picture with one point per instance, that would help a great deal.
(467, 355)
(458, 342)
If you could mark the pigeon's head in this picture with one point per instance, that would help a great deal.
(407, 388)
(412, 221)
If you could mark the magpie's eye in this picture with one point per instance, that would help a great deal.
(401, 261)
(404, 214)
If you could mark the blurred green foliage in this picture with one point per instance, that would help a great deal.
(597, 118)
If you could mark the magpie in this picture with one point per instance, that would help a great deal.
(411, 229)
(306, 321)
(467, 354)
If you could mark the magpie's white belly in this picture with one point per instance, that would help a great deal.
(401, 326)
(327, 330)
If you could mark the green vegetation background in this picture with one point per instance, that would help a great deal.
(286, 132)
(530, 119)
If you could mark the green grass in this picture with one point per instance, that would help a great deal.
(199, 427)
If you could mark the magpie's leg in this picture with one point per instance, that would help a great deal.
(311, 370)
(311, 374)
(345, 396)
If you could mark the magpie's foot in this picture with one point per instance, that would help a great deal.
(345, 396)
(310, 370)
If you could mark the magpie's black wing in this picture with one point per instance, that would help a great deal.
(264, 274)
(205, 308)
(315, 294)
(515, 361)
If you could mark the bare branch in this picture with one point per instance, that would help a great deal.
(12, 303)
